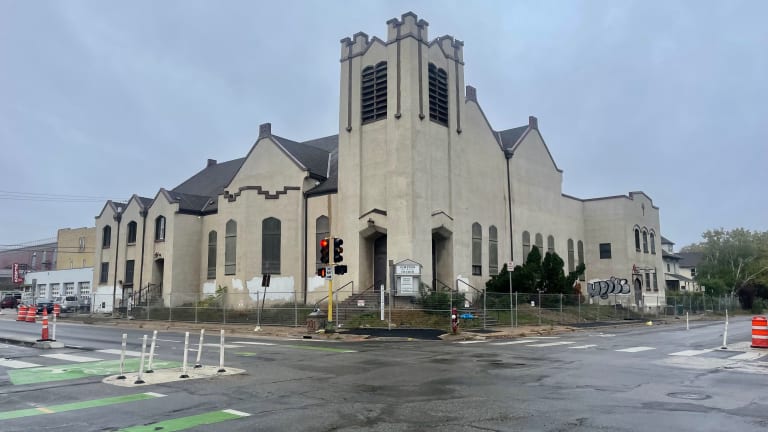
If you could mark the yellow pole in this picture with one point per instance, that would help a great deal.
(330, 299)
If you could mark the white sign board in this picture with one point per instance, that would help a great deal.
(406, 285)
(329, 272)
(510, 265)
(407, 269)
(361, 303)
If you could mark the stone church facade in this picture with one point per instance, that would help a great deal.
(415, 174)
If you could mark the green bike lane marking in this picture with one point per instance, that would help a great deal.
(80, 370)
(182, 423)
(7, 415)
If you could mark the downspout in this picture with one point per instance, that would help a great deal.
(305, 257)
(143, 241)
(508, 155)
(117, 218)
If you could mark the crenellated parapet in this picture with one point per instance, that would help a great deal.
(452, 48)
(408, 25)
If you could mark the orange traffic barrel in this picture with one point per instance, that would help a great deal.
(22, 316)
(759, 332)
(56, 310)
(31, 313)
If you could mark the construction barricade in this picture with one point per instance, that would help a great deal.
(22, 316)
(31, 313)
(759, 332)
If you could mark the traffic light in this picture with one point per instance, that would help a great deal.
(340, 269)
(324, 244)
(321, 272)
(338, 250)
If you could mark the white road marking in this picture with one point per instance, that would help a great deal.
(17, 364)
(635, 349)
(543, 337)
(551, 344)
(158, 395)
(472, 342)
(169, 340)
(237, 413)
(582, 346)
(70, 357)
(689, 353)
(253, 343)
(747, 356)
(516, 342)
(117, 352)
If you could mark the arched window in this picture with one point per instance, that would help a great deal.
(551, 244)
(270, 246)
(540, 243)
(637, 239)
(526, 244)
(322, 230)
(131, 232)
(212, 255)
(374, 92)
(580, 251)
(106, 236)
(160, 228)
(653, 243)
(477, 254)
(645, 241)
(438, 94)
(571, 266)
(230, 248)
(493, 251)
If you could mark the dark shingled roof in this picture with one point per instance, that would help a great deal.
(510, 137)
(145, 202)
(665, 254)
(690, 259)
(665, 240)
(212, 180)
(190, 203)
(313, 158)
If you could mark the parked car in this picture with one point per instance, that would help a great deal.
(70, 303)
(9, 302)
(48, 305)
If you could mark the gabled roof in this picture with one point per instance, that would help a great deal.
(665, 254)
(211, 180)
(313, 158)
(690, 259)
(665, 240)
(508, 138)
(195, 204)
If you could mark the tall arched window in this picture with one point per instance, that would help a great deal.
(160, 228)
(106, 236)
(230, 248)
(526, 244)
(571, 266)
(637, 239)
(131, 238)
(270, 246)
(477, 254)
(493, 251)
(653, 243)
(212, 255)
(551, 244)
(438, 94)
(374, 92)
(580, 251)
(540, 243)
(322, 230)
(645, 241)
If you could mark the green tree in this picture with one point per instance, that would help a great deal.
(732, 260)
(535, 273)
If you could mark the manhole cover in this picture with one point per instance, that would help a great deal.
(689, 396)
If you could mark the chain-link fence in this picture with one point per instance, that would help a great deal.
(476, 309)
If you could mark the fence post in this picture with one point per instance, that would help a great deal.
(561, 308)
(485, 311)
(517, 323)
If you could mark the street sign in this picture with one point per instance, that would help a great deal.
(510, 265)
(329, 272)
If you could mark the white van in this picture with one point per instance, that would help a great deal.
(70, 303)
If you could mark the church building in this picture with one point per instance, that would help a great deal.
(417, 183)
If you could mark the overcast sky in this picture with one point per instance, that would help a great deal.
(104, 99)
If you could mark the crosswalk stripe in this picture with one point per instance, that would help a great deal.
(549, 344)
(526, 341)
(117, 352)
(17, 364)
(689, 353)
(471, 341)
(70, 357)
(635, 349)
(582, 346)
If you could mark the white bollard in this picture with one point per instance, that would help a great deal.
(141, 362)
(152, 352)
(122, 357)
(725, 333)
(221, 354)
(686, 321)
(200, 349)
(53, 331)
(186, 350)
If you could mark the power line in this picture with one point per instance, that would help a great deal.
(35, 196)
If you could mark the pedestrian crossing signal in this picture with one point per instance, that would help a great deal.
(321, 272)
(340, 269)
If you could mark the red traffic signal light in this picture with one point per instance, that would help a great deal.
(338, 250)
(324, 252)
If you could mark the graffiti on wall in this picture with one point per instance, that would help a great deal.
(605, 288)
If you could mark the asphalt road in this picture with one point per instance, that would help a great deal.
(619, 379)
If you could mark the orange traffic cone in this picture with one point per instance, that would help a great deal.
(22, 316)
(45, 326)
(31, 313)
